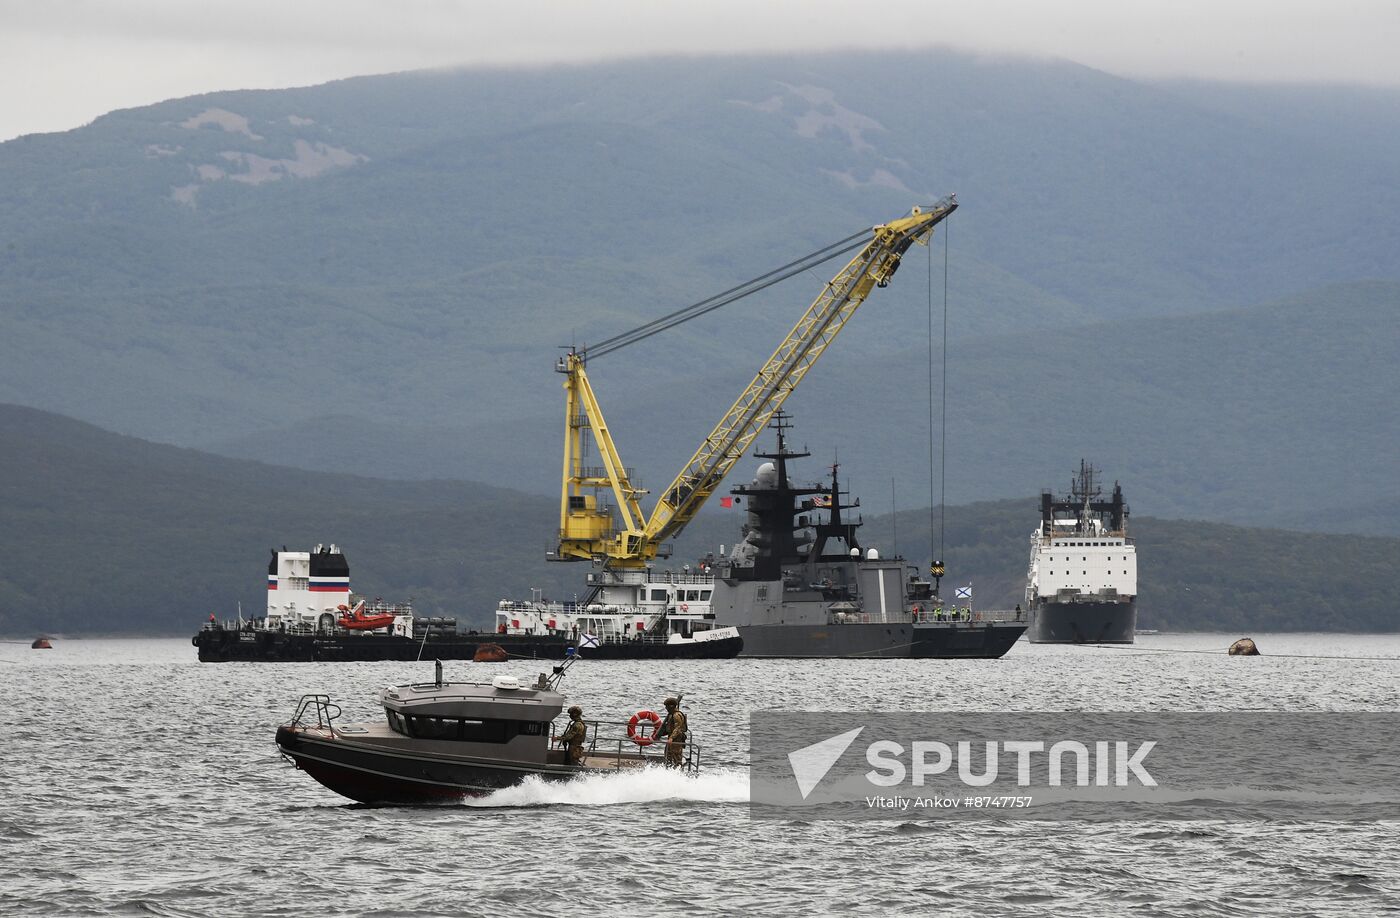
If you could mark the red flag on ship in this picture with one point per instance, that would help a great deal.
(726, 501)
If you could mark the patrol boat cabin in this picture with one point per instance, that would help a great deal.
(447, 740)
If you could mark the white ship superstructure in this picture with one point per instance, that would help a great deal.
(1082, 583)
(310, 591)
(622, 605)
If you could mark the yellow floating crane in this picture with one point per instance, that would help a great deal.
(620, 536)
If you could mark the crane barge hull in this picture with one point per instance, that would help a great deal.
(881, 641)
(218, 645)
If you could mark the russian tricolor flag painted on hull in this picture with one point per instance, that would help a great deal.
(330, 585)
(272, 583)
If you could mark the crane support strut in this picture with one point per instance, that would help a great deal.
(590, 531)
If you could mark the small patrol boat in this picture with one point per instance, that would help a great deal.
(443, 741)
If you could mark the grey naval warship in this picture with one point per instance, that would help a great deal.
(1082, 584)
(799, 583)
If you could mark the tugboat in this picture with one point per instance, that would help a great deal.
(443, 741)
(800, 586)
(1082, 583)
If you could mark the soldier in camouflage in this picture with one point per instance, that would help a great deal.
(573, 736)
(675, 729)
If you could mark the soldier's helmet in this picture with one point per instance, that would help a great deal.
(670, 702)
(576, 711)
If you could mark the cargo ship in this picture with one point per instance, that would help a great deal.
(1082, 584)
(312, 616)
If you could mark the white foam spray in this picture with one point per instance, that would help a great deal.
(720, 785)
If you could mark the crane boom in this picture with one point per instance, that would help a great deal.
(589, 531)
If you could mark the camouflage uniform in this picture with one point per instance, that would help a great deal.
(674, 728)
(573, 737)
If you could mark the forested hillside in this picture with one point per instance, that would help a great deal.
(106, 534)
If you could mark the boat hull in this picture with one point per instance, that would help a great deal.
(1083, 622)
(369, 775)
(225, 645)
(882, 640)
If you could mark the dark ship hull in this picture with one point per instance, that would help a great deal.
(217, 645)
(1083, 622)
(877, 641)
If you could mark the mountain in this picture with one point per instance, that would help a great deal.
(1277, 414)
(108, 534)
(374, 275)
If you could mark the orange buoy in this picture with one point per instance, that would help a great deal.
(1244, 647)
(490, 653)
(41, 644)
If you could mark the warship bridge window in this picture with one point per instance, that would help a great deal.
(658, 595)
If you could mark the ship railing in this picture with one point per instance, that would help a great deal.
(381, 607)
(703, 578)
(946, 616)
(551, 606)
(615, 745)
(961, 615)
(644, 637)
(320, 707)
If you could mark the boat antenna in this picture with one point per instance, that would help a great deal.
(570, 658)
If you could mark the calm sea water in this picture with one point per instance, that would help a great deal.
(140, 782)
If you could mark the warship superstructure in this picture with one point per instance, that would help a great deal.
(1082, 584)
(800, 584)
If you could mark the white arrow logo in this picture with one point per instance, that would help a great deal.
(811, 763)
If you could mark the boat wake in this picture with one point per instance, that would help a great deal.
(720, 785)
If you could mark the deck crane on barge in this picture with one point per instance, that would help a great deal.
(590, 531)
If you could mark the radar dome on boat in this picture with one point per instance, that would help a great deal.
(855, 553)
(872, 554)
(767, 476)
(505, 682)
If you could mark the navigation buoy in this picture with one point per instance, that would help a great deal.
(490, 653)
(1244, 647)
(41, 644)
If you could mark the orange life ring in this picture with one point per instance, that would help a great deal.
(685, 607)
(639, 718)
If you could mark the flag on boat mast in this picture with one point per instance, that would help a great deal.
(964, 592)
(588, 640)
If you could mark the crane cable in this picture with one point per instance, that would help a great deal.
(938, 557)
(724, 298)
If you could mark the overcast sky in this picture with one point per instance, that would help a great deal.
(64, 62)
